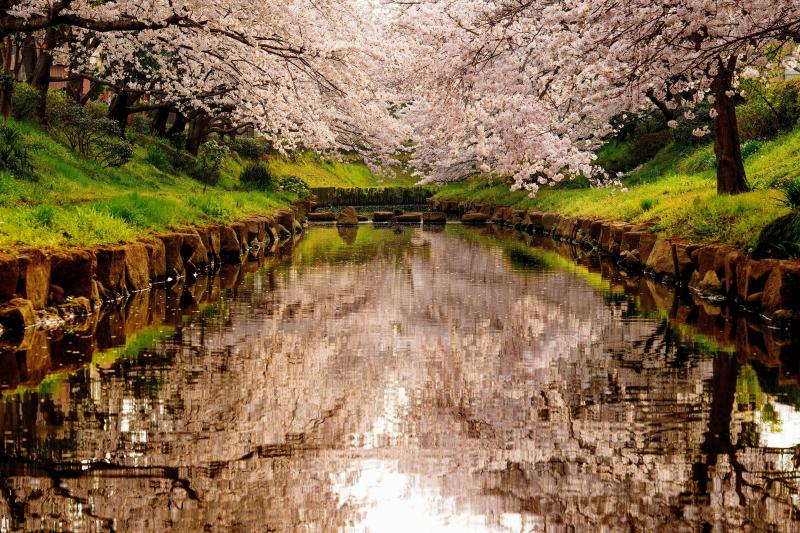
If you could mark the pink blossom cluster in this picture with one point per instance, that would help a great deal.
(528, 88)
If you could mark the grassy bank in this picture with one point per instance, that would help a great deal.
(75, 202)
(317, 171)
(676, 190)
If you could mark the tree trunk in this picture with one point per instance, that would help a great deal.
(179, 125)
(94, 87)
(661, 105)
(8, 53)
(6, 96)
(160, 118)
(41, 74)
(119, 110)
(17, 61)
(29, 58)
(731, 177)
(198, 133)
(75, 88)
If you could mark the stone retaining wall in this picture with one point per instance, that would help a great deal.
(37, 285)
(768, 286)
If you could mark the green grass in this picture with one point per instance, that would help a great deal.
(321, 172)
(676, 190)
(75, 202)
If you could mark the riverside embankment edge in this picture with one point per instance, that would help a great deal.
(58, 286)
(768, 287)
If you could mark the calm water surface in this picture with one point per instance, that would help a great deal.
(381, 380)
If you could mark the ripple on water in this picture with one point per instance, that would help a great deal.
(404, 380)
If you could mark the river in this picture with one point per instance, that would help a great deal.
(379, 379)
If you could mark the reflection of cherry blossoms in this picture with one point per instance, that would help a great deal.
(426, 382)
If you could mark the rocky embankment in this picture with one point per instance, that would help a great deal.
(38, 286)
(770, 287)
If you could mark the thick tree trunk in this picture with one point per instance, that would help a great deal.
(119, 110)
(198, 133)
(160, 118)
(89, 95)
(731, 177)
(8, 54)
(41, 74)
(75, 89)
(179, 126)
(661, 105)
(6, 95)
(29, 58)
(17, 61)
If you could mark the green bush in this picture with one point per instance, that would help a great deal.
(156, 157)
(178, 140)
(255, 148)
(141, 123)
(112, 152)
(295, 185)
(749, 148)
(256, 176)
(684, 135)
(780, 239)
(15, 152)
(646, 145)
(89, 134)
(770, 109)
(791, 194)
(615, 156)
(647, 204)
(207, 168)
(24, 102)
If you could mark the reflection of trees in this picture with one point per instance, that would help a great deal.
(505, 390)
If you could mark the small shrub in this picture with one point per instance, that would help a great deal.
(113, 152)
(15, 152)
(141, 123)
(178, 140)
(647, 204)
(791, 194)
(55, 101)
(207, 168)
(750, 147)
(255, 148)
(96, 109)
(93, 136)
(156, 157)
(24, 102)
(780, 239)
(256, 176)
(295, 185)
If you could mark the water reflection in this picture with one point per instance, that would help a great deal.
(405, 380)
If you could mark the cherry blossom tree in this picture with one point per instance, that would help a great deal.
(529, 87)
(300, 72)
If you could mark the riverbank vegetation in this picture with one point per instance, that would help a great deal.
(59, 197)
(670, 178)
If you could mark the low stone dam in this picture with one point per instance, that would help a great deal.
(390, 196)
(402, 378)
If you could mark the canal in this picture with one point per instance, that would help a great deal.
(400, 379)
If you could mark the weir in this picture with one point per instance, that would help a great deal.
(357, 197)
